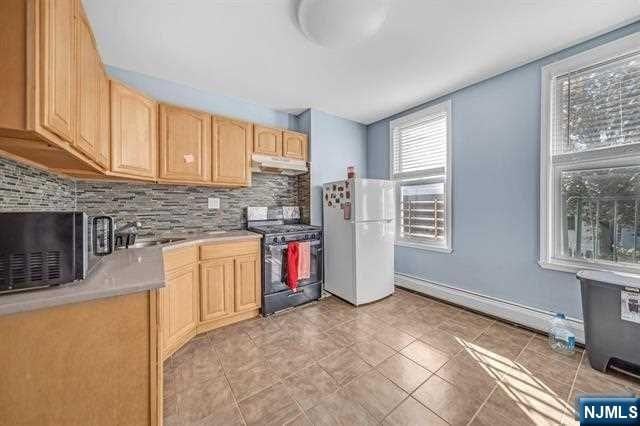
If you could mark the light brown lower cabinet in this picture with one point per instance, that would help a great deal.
(87, 363)
(179, 301)
(247, 282)
(216, 289)
(207, 287)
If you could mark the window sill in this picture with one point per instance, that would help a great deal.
(423, 246)
(575, 267)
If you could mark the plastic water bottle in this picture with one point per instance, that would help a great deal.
(560, 338)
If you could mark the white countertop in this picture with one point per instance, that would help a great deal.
(124, 272)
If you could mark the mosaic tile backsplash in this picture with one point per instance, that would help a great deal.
(161, 209)
(24, 188)
(171, 209)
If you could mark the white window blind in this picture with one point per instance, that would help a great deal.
(420, 146)
(420, 166)
(598, 106)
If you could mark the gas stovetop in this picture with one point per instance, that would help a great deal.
(284, 228)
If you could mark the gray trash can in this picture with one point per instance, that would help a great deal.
(611, 311)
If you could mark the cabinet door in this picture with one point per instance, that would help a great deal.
(247, 282)
(103, 151)
(133, 133)
(185, 144)
(295, 145)
(59, 67)
(180, 304)
(267, 141)
(231, 157)
(216, 289)
(88, 91)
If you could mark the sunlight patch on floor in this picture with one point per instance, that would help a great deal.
(529, 393)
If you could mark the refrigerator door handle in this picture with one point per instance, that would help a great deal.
(372, 221)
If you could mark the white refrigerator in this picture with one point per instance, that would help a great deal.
(359, 228)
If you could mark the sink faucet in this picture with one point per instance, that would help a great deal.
(126, 234)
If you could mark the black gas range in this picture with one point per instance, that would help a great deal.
(280, 226)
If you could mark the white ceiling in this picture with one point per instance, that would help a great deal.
(252, 49)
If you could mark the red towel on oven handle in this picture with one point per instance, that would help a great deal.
(292, 265)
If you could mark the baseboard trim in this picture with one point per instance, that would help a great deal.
(527, 316)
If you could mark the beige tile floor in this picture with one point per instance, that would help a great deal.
(406, 360)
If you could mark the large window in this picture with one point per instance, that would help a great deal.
(590, 163)
(421, 167)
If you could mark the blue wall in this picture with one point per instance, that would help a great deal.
(496, 161)
(336, 143)
(183, 95)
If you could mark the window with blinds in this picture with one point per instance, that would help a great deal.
(591, 159)
(420, 146)
(598, 106)
(419, 165)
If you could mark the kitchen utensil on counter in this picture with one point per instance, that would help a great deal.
(103, 235)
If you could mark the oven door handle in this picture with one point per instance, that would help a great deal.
(284, 246)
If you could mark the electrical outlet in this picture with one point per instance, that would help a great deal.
(213, 203)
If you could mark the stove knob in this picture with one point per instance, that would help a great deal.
(283, 239)
(306, 236)
(275, 239)
(313, 236)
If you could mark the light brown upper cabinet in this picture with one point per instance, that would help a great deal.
(89, 75)
(134, 143)
(59, 110)
(48, 85)
(103, 151)
(267, 141)
(59, 67)
(185, 144)
(231, 155)
(294, 145)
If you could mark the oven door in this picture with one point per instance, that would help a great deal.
(275, 261)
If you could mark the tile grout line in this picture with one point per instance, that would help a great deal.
(497, 384)
(224, 373)
(572, 388)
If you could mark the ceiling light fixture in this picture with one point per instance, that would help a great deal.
(341, 23)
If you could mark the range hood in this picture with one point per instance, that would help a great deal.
(279, 165)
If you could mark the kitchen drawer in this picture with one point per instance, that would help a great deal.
(221, 250)
(180, 257)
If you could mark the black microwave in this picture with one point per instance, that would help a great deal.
(42, 249)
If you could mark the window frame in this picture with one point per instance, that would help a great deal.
(444, 246)
(550, 172)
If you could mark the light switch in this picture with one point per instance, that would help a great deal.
(213, 203)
